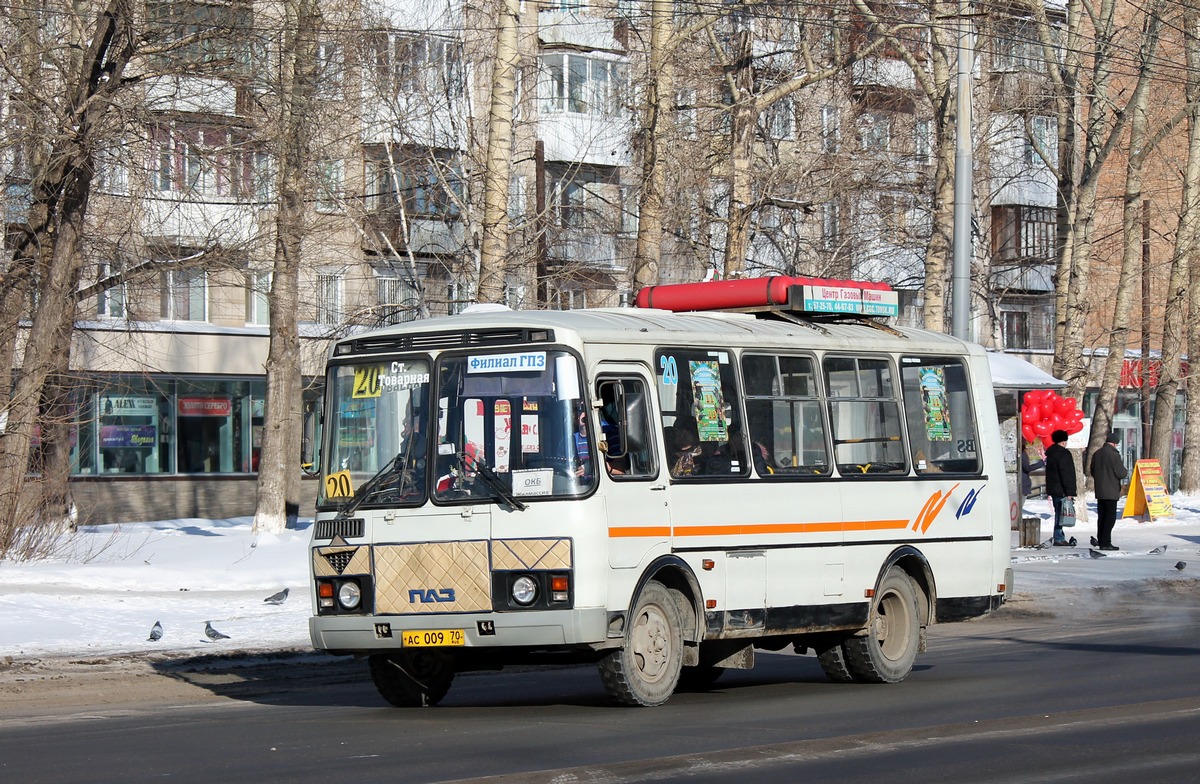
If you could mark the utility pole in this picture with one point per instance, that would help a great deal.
(960, 290)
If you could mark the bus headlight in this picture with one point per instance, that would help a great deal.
(349, 595)
(524, 590)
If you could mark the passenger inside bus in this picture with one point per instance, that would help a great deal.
(684, 445)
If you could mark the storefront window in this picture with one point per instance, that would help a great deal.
(162, 426)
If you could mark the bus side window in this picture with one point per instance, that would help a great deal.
(628, 447)
(784, 414)
(941, 420)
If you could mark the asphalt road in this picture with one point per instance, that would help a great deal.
(1101, 697)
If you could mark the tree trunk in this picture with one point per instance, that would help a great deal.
(743, 123)
(656, 126)
(1131, 234)
(278, 489)
(1188, 248)
(50, 246)
(493, 252)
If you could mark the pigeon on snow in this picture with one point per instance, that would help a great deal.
(1180, 564)
(155, 632)
(212, 633)
(1097, 554)
(1162, 548)
(277, 598)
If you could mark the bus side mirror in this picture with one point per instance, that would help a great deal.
(635, 428)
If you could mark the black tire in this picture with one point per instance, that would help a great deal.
(702, 677)
(886, 650)
(833, 662)
(413, 679)
(645, 670)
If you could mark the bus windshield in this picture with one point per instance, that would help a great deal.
(512, 424)
(504, 427)
(380, 416)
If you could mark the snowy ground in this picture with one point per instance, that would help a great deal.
(110, 584)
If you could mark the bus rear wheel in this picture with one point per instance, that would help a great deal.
(646, 669)
(833, 662)
(413, 679)
(886, 651)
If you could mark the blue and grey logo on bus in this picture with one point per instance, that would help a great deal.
(430, 595)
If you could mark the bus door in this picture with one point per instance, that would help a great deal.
(633, 486)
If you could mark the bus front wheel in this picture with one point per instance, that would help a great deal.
(646, 669)
(412, 679)
(885, 652)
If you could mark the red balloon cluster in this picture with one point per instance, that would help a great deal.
(1044, 411)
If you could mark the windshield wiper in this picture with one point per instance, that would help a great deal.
(369, 487)
(494, 482)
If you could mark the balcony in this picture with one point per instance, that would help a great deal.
(583, 248)
(425, 237)
(198, 224)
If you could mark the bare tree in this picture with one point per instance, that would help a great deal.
(49, 247)
(1187, 250)
(278, 501)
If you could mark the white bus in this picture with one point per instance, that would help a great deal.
(661, 493)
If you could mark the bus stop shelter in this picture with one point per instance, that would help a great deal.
(1012, 377)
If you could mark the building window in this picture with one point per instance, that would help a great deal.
(568, 298)
(779, 119)
(428, 181)
(577, 198)
(875, 131)
(923, 141)
(211, 162)
(1023, 234)
(1027, 324)
(183, 32)
(111, 301)
(422, 65)
(831, 226)
(330, 181)
(185, 295)
(258, 289)
(831, 128)
(398, 300)
(581, 85)
(1041, 147)
(330, 69)
(329, 298)
(1017, 45)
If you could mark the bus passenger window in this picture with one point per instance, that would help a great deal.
(941, 420)
(697, 389)
(864, 416)
(784, 415)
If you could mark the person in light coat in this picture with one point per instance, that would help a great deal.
(1108, 472)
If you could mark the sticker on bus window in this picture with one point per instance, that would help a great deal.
(502, 430)
(530, 439)
(507, 363)
(339, 485)
(533, 481)
(366, 381)
(708, 402)
(933, 401)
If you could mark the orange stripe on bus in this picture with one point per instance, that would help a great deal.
(762, 528)
(631, 531)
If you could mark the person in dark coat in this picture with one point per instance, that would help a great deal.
(1060, 482)
(1108, 472)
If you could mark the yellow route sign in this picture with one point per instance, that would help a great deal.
(1148, 495)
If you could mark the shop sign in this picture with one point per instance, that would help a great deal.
(115, 436)
(205, 406)
(127, 405)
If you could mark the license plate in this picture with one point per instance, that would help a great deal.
(431, 638)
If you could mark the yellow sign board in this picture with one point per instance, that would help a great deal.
(1147, 492)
